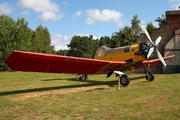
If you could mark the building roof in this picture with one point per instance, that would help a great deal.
(173, 12)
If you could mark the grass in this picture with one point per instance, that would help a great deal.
(61, 96)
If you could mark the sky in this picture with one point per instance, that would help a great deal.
(66, 18)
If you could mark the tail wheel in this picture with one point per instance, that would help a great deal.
(124, 80)
(83, 77)
(149, 76)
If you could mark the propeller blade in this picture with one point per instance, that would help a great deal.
(158, 40)
(150, 52)
(160, 57)
(147, 34)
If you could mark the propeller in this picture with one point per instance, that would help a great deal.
(154, 46)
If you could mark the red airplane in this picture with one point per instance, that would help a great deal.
(106, 61)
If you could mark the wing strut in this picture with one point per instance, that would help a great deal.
(119, 73)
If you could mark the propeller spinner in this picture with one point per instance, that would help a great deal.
(154, 46)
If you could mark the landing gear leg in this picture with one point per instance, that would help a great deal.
(149, 76)
(85, 76)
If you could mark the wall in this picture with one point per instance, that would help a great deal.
(173, 48)
(173, 19)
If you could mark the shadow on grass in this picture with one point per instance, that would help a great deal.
(76, 79)
(55, 79)
(89, 83)
(138, 77)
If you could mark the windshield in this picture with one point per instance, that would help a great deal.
(105, 48)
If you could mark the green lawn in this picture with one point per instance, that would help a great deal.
(44, 96)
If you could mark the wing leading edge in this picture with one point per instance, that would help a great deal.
(40, 62)
(157, 61)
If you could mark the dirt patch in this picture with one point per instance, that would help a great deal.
(79, 117)
(25, 96)
(156, 103)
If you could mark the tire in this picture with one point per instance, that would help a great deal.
(80, 78)
(124, 80)
(149, 76)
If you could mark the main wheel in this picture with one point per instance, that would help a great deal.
(124, 80)
(149, 76)
(80, 78)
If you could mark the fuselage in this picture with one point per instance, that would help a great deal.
(132, 54)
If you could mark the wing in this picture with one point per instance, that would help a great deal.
(39, 62)
(157, 61)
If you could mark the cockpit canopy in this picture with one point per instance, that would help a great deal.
(100, 51)
(106, 48)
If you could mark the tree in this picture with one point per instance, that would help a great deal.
(16, 35)
(62, 52)
(23, 35)
(7, 35)
(135, 24)
(124, 37)
(82, 46)
(105, 40)
(150, 27)
(161, 20)
(41, 40)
